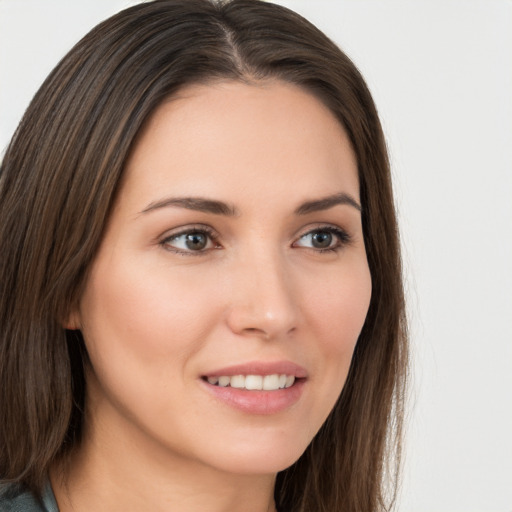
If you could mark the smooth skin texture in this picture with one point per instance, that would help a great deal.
(176, 292)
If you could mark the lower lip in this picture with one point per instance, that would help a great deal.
(258, 402)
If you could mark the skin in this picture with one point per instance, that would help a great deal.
(157, 316)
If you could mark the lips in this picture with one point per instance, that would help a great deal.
(260, 368)
(257, 387)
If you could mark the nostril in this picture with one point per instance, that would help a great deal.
(257, 332)
(254, 329)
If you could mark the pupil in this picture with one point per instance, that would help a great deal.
(322, 239)
(196, 241)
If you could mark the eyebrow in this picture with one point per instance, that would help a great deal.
(201, 204)
(194, 203)
(327, 202)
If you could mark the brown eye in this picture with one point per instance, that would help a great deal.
(321, 240)
(196, 241)
(324, 239)
(190, 241)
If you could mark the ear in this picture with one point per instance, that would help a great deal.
(72, 322)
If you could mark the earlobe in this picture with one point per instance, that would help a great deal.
(72, 322)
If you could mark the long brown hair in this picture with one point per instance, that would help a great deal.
(58, 182)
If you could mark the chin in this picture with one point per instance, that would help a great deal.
(260, 457)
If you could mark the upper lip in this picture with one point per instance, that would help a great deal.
(260, 368)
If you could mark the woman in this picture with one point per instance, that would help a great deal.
(202, 305)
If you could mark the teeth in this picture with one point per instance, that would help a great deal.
(270, 382)
(290, 379)
(237, 381)
(224, 381)
(254, 382)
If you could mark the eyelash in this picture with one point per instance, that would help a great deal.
(204, 230)
(343, 239)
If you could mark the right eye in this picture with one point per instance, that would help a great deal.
(190, 241)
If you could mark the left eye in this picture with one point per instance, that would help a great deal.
(324, 238)
(191, 241)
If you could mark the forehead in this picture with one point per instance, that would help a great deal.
(227, 137)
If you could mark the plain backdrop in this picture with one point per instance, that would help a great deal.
(441, 75)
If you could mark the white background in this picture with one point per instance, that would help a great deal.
(441, 74)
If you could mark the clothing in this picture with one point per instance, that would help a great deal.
(14, 498)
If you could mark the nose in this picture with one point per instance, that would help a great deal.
(263, 302)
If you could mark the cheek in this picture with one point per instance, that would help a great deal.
(337, 314)
(142, 326)
(141, 318)
(339, 308)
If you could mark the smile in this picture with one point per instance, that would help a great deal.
(254, 382)
(257, 387)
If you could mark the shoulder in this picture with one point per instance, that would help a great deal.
(15, 498)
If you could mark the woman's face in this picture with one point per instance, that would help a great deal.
(234, 259)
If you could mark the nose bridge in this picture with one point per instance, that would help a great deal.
(263, 299)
